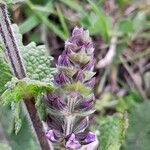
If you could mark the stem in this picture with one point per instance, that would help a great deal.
(17, 67)
(69, 117)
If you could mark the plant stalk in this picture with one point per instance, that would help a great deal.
(18, 70)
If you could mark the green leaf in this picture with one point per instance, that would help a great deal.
(22, 89)
(36, 59)
(73, 4)
(16, 114)
(138, 133)
(5, 74)
(62, 20)
(112, 131)
(126, 26)
(25, 139)
(53, 26)
(102, 24)
(32, 21)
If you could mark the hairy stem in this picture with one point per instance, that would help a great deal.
(70, 118)
(17, 67)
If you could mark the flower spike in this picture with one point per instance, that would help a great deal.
(73, 100)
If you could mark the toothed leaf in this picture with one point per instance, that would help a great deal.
(112, 132)
(19, 89)
(36, 59)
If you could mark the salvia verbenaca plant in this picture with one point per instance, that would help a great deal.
(73, 101)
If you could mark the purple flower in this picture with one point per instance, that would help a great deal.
(86, 137)
(50, 135)
(90, 137)
(85, 104)
(73, 100)
(54, 136)
(72, 142)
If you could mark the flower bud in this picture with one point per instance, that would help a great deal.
(89, 66)
(85, 104)
(54, 101)
(61, 78)
(79, 76)
(91, 82)
(64, 60)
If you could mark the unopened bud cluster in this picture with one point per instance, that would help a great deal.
(73, 101)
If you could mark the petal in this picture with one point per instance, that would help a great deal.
(72, 142)
(54, 135)
(86, 137)
(50, 136)
(90, 137)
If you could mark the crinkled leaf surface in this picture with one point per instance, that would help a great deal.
(36, 59)
(112, 131)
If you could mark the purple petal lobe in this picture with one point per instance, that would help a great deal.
(50, 135)
(90, 137)
(54, 135)
(86, 137)
(72, 142)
